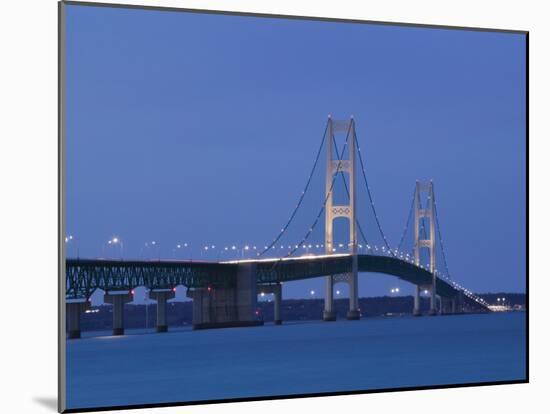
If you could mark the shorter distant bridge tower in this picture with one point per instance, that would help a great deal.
(427, 242)
(332, 211)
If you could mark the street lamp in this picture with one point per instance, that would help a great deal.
(154, 243)
(180, 246)
(69, 240)
(115, 241)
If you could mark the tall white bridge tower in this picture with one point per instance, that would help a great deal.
(424, 241)
(333, 211)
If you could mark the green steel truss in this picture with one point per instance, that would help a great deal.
(306, 268)
(84, 276)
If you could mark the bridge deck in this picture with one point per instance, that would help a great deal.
(84, 276)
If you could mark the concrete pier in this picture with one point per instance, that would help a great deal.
(118, 299)
(433, 302)
(278, 297)
(329, 314)
(458, 303)
(447, 306)
(161, 296)
(218, 307)
(73, 309)
(416, 308)
(276, 290)
(353, 313)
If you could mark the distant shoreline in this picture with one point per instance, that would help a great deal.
(179, 314)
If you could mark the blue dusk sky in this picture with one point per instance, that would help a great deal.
(201, 129)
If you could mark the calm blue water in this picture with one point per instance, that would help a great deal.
(295, 358)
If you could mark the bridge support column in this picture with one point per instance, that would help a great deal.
(278, 296)
(73, 309)
(118, 299)
(328, 312)
(416, 308)
(353, 313)
(433, 302)
(459, 299)
(453, 305)
(219, 307)
(447, 306)
(161, 296)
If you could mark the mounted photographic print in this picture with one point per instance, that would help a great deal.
(260, 206)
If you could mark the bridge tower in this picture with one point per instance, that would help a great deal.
(424, 243)
(332, 211)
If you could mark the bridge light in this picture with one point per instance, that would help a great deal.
(179, 246)
(233, 247)
(312, 292)
(337, 292)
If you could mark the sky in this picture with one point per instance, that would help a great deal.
(201, 130)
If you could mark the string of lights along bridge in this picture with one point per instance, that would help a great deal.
(224, 280)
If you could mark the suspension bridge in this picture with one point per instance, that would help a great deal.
(224, 292)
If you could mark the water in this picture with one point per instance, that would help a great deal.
(295, 358)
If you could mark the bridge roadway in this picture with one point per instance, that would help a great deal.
(224, 293)
(84, 276)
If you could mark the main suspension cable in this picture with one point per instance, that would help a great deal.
(301, 199)
(370, 197)
(440, 238)
(329, 193)
(407, 223)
